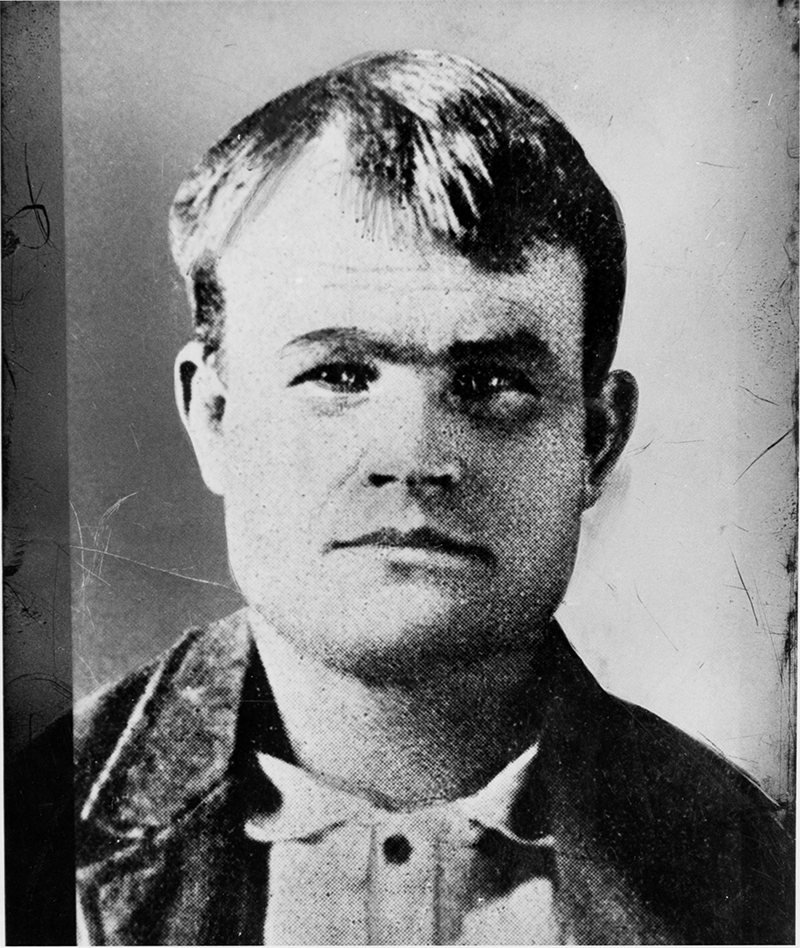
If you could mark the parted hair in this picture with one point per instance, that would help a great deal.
(483, 168)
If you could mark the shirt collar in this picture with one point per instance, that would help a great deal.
(309, 806)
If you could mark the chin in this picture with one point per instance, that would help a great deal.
(396, 636)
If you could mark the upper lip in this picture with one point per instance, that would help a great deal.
(423, 538)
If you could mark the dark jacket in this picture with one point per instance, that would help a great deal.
(658, 839)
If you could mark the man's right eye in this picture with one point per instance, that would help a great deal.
(341, 378)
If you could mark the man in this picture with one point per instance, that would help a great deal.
(407, 283)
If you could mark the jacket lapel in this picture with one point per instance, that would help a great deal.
(167, 813)
(595, 898)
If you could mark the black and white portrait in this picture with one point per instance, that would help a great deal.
(420, 443)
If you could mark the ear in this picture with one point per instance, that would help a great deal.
(609, 421)
(200, 395)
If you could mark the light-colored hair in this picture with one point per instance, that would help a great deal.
(483, 167)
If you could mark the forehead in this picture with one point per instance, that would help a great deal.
(315, 256)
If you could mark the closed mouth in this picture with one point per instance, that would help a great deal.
(423, 538)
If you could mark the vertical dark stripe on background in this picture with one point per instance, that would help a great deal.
(37, 630)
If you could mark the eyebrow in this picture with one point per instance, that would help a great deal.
(519, 342)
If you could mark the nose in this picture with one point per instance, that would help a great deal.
(416, 447)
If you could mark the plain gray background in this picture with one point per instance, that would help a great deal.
(682, 599)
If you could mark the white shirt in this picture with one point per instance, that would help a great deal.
(344, 871)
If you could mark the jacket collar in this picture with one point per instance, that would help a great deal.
(177, 744)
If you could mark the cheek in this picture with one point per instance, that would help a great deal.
(536, 485)
(283, 464)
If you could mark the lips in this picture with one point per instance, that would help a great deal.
(422, 538)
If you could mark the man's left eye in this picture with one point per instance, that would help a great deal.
(344, 378)
(476, 383)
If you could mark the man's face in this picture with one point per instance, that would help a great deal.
(402, 448)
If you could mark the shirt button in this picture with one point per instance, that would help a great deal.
(397, 849)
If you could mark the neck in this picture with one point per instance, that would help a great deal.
(402, 745)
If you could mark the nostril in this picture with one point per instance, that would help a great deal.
(444, 481)
(435, 480)
(380, 480)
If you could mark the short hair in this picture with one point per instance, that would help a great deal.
(485, 169)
